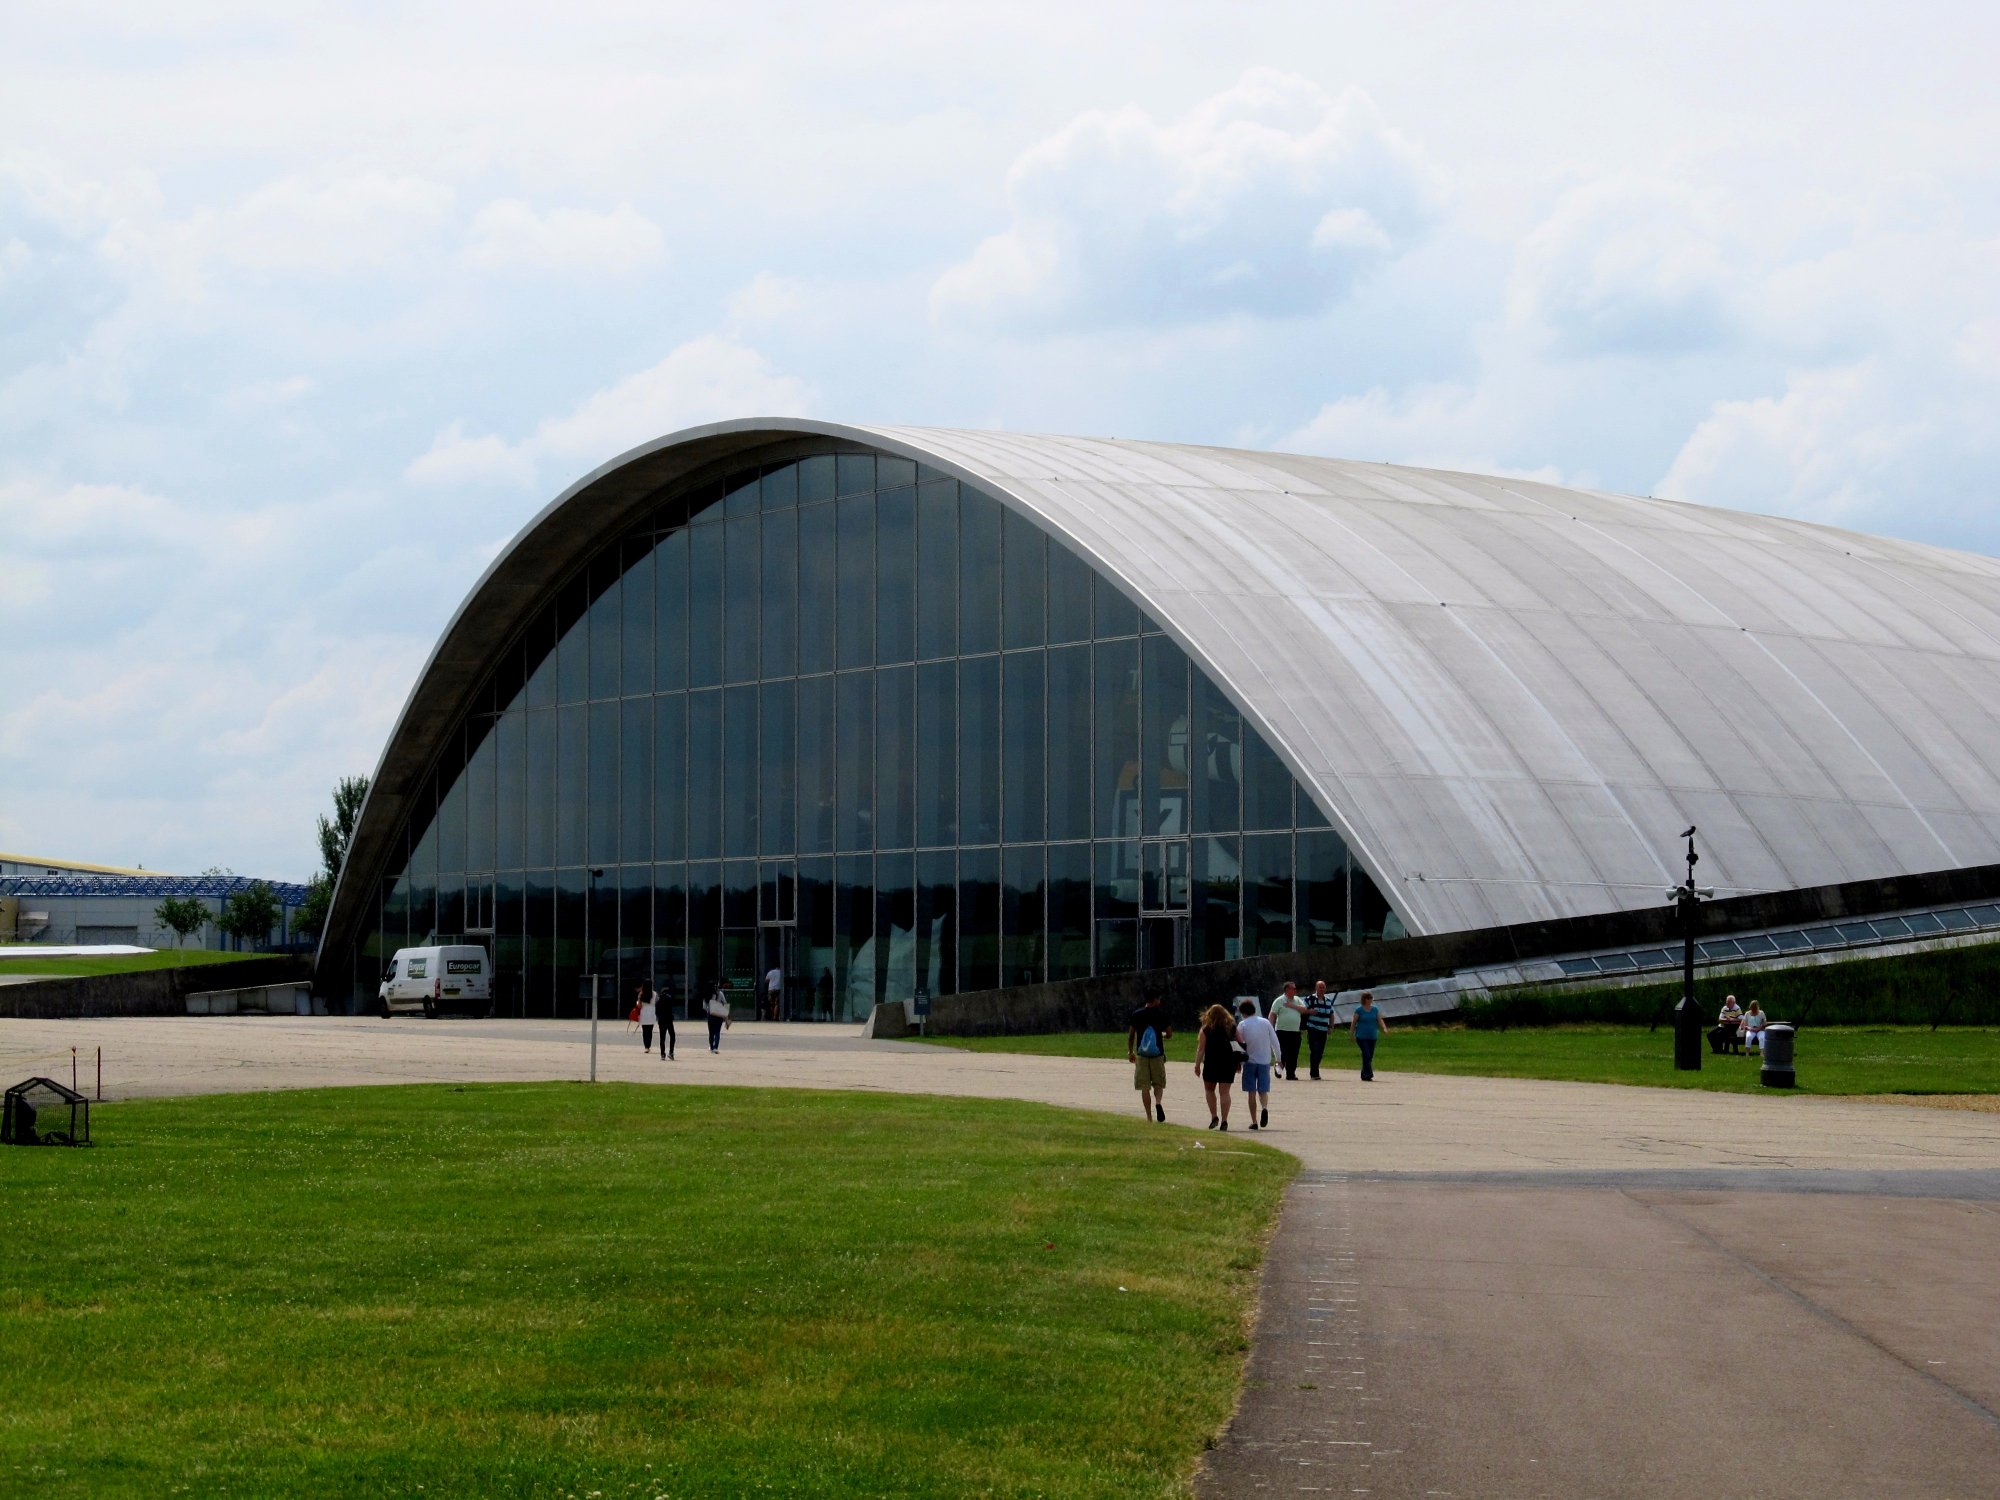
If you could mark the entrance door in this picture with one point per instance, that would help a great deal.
(1163, 942)
(780, 944)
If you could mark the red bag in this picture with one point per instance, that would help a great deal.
(635, 1014)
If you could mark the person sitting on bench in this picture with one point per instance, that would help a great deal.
(1753, 1027)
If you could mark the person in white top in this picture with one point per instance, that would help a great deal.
(774, 992)
(1753, 1027)
(1259, 1040)
(649, 1014)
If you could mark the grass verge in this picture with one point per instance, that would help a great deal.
(118, 963)
(622, 1291)
(1830, 1059)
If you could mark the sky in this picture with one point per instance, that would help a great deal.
(305, 309)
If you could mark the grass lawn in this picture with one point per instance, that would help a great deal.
(1830, 1059)
(557, 1290)
(118, 963)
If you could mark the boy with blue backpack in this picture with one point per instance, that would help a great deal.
(1146, 1033)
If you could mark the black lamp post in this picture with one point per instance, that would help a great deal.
(1687, 1018)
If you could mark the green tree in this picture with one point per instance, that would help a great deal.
(335, 834)
(251, 913)
(183, 916)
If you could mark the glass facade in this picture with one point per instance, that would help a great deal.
(843, 716)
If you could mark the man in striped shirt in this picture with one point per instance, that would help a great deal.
(1319, 1021)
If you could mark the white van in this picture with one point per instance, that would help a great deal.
(438, 980)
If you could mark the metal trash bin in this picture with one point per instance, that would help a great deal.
(1778, 1072)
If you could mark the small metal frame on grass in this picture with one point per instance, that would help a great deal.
(33, 1112)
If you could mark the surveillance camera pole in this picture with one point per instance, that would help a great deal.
(1687, 1019)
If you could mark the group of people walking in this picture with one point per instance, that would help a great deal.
(1247, 1044)
(648, 1013)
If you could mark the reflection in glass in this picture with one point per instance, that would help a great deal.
(937, 925)
(670, 569)
(1023, 941)
(704, 606)
(895, 737)
(979, 749)
(937, 753)
(777, 820)
(1164, 735)
(1069, 885)
(1115, 743)
(895, 566)
(779, 599)
(739, 771)
(604, 610)
(538, 821)
(1374, 920)
(572, 768)
(510, 791)
(1024, 587)
(978, 572)
(978, 919)
(603, 791)
(573, 675)
(818, 587)
(1023, 746)
(816, 478)
(636, 630)
(1267, 785)
(1267, 893)
(1322, 890)
(1069, 595)
(817, 788)
(856, 562)
(895, 927)
(854, 759)
(1217, 893)
(743, 569)
(704, 762)
(670, 776)
(635, 780)
(937, 569)
(1114, 614)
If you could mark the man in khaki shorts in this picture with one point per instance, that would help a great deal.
(1146, 1033)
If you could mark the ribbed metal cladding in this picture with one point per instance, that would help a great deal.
(1510, 696)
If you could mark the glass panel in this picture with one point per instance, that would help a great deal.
(1374, 919)
(937, 569)
(704, 762)
(978, 919)
(890, 472)
(509, 913)
(539, 809)
(854, 936)
(635, 780)
(815, 955)
(1707, 952)
(572, 767)
(1069, 743)
(670, 776)
(777, 891)
(1617, 963)
(978, 572)
(937, 931)
(1956, 921)
(1923, 922)
(815, 478)
(1322, 890)
(704, 627)
(539, 944)
(1116, 741)
(777, 820)
(632, 960)
(1164, 738)
(704, 939)
(1757, 945)
(573, 672)
(511, 790)
(1853, 932)
(1117, 878)
(856, 600)
(1024, 591)
(1305, 809)
(1117, 945)
(1267, 894)
(637, 630)
(670, 564)
(979, 749)
(1267, 785)
(1219, 761)
(1578, 965)
(780, 599)
(572, 954)
(895, 586)
(1654, 958)
(743, 571)
(818, 588)
(937, 753)
(1069, 911)
(1023, 922)
(479, 813)
(1114, 614)
(739, 906)
(1791, 942)
(855, 473)
(854, 759)
(895, 736)
(451, 829)
(781, 487)
(1023, 746)
(603, 791)
(816, 765)
(1217, 901)
(739, 772)
(539, 653)
(1069, 595)
(670, 935)
(604, 610)
(744, 497)
(895, 927)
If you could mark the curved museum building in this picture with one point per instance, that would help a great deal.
(899, 710)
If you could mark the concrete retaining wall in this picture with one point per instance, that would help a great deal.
(147, 992)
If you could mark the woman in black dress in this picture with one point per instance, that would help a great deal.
(1216, 1060)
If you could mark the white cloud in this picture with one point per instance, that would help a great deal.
(1270, 199)
(704, 380)
(338, 226)
(767, 300)
(511, 234)
(1623, 266)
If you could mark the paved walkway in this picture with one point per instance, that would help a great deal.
(1480, 1287)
